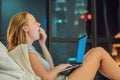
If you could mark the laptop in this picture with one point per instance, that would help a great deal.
(79, 55)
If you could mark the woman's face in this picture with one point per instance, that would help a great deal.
(33, 28)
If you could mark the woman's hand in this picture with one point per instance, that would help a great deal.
(54, 71)
(61, 67)
(42, 37)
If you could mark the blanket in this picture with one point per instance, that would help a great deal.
(10, 70)
(20, 56)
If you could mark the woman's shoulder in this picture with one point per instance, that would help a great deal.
(19, 48)
(23, 48)
(31, 48)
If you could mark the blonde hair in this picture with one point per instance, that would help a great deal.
(15, 34)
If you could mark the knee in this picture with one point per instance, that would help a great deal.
(99, 51)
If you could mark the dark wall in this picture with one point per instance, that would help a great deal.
(107, 16)
(10, 7)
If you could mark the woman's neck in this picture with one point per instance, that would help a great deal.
(28, 39)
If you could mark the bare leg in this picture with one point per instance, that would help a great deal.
(96, 59)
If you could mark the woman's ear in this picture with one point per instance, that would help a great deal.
(25, 28)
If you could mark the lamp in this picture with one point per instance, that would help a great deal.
(116, 50)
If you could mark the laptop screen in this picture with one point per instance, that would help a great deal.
(81, 49)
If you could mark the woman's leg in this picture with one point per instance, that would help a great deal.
(94, 60)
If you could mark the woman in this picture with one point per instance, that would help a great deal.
(24, 29)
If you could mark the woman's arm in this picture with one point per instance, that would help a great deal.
(45, 51)
(41, 71)
(47, 55)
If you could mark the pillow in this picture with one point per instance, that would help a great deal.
(21, 57)
(8, 67)
(5, 61)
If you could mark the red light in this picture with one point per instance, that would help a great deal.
(89, 16)
(82, 16)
